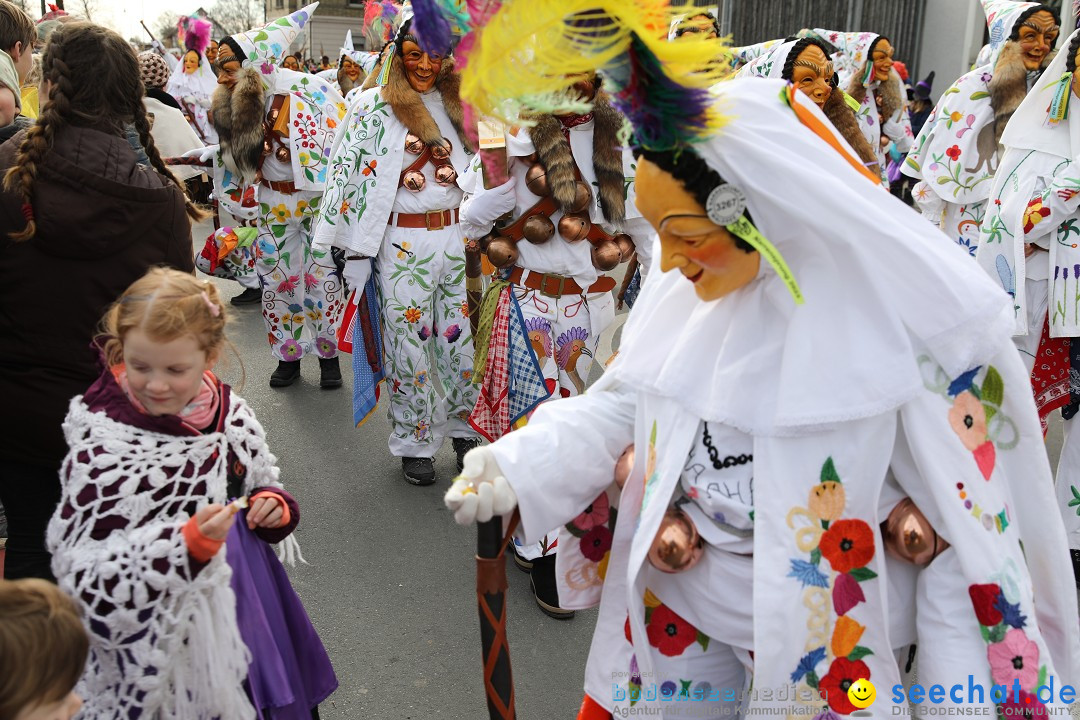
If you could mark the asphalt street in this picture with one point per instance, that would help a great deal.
(391, 581)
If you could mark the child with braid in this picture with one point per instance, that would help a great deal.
(190, 614)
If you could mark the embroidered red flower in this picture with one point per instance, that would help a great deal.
(626, 629)
(846, 594)
(984, 598)
(1034, 214)
(847, 544)
(669, 633)
(834, 686)
(597, 513)
(953, 153)
(1027, 707)
(596, 543)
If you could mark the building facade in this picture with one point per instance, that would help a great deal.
(325, 32)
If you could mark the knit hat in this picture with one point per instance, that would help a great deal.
(153, 70)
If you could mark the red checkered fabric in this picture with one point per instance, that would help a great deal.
(491, 415)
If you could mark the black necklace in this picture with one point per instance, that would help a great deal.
(714, 455)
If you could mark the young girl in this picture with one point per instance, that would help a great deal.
(163, 457)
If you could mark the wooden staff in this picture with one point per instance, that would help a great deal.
(491, 599)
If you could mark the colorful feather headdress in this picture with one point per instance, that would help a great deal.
(194, 33)
(525, 56)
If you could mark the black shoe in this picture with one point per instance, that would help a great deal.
(523, 565)
(250, 296)
(286, 374)
(462, 446)
(1075, 554)
(544, 589)
(418, 470)
(330, 373)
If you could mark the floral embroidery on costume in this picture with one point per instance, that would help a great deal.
(847, 545)
(594, 528)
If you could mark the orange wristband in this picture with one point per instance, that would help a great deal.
(286, 514)
(201, 547)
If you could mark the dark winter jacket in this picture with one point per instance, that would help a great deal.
(102, 221)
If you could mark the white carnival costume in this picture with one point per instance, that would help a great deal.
(193, 90)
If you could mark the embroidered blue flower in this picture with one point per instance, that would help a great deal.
(809, 661)
(808, 574)
(267, 247)
(965, 243)
(1010, 613)
(963, 382)
(318, 97)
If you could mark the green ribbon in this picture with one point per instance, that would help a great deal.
(1059, 106)
(744, 229)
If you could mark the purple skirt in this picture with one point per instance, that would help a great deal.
(290, 672)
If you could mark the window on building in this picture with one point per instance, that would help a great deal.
(355, 3)
(279, 4)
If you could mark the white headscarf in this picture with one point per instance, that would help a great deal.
(769, 64)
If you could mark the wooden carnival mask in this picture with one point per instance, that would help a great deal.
(812, 74)
(421, 68)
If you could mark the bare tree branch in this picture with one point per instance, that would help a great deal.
(236, 16)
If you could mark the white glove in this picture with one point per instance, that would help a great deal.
(356, 273)
(487, 207)
(481, 491)
(204, 154)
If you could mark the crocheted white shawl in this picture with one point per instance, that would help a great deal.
(164, 644)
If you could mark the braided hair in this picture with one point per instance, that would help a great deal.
(694, 174)
(796, 50)
(94, 82)
(1070, 60)
(1015, 35)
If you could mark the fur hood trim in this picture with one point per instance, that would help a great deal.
(888, 96)
(553, 151)
(238, 118)
(409, 108)
(843, 119)
(1008, 86)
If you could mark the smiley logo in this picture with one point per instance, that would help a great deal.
(862, 693)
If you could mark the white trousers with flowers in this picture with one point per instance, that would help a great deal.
(301, 287)
(421, 280)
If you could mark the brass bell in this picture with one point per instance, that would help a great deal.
(909, 536)
(502, 252)
(623, 466)
(282, 154)
(531, 158)
(267, 147)
(413, 144)
(626, 246)
(677, 545)
(606, 255)
(441, 152)
(538, 229)
(582, 196)
(483, 242)
(536, 180)
(445, 175)
(414, 180)
(574, 228)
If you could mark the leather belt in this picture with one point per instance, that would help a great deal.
(432, 220)
(287, 187)
(552, 285)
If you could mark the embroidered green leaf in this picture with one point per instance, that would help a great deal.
(812, 679)
(575, 530)
(985, 632)
(859, 652)
(863, 574)
(828, 471)
(1042, 677)
(648, 614)
(703, 641)
(298, 332)
(997, 633)
(979, 95)
(943, 180)
(286, 258)
(278, 230)
(815, 556)
(993, 387)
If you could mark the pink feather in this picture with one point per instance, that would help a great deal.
(196, 33)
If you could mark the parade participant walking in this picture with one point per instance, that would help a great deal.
(190, 614)
(78, 202)
(276, 129)
(570, 193)
(410, 130)
(1027, 247)
(747, 543)
(193, 81)
(171, 132)
(956, 154)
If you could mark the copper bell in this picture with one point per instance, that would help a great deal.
(531, 158)
(909, 536)
(606, 255)
(626, 246)
(414, 180)
(623, 466)
(445, 175)
(582, 196)
(574, 228)
(441, 152)
(538, 229)
(282, 154)
(677, 545)
(502, 252)
(267, 147)
(536, 180)
(483, 242)
(413, 144)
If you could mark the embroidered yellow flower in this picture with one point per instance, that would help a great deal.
(344, 207)
(846, 636)
(299, 106)
(341, 110)
(827, 500)
(1034, 214)
(651, 600)
(412, 315)
(402, 253)
(601, 567)
(956, 115)
(281, 212)
(300, 206)
(304, 158)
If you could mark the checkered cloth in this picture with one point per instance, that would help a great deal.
(360, 324)
(513, 384)
(153, 70)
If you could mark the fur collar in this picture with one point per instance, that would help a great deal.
(345, 83)
(888, 97)
(843, 119)
(409, 108)
(553, 150)
(1008, 86)
(238, 118)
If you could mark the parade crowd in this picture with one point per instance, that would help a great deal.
(816, 459)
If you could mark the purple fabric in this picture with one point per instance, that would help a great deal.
(290, 672)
